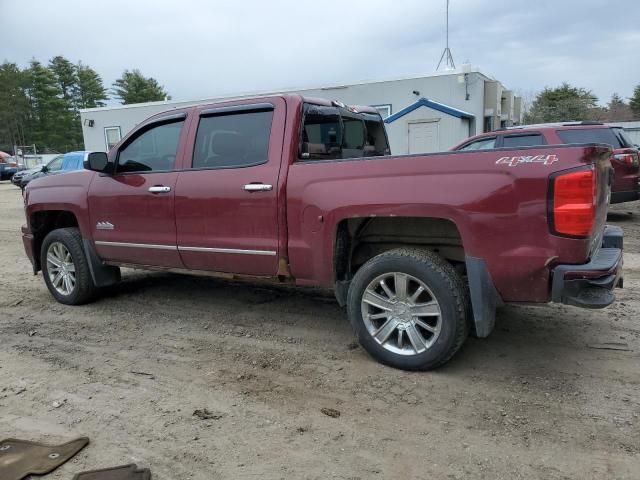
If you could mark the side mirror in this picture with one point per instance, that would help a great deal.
(44, 169)
(97, 161)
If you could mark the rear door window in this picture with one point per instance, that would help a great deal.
(233, 140)
(590, 135)
(512, 141)
(482, 144)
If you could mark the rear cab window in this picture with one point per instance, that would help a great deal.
(331, 133)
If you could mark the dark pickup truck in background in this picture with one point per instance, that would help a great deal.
(624, 157)
(420, 248)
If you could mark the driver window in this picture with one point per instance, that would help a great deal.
(152, 151)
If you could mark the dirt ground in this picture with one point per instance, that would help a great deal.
(553, 393)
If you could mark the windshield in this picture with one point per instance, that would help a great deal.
(55, 164)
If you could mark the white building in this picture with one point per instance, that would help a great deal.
(423, 114)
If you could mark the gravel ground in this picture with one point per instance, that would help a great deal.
(553, 393)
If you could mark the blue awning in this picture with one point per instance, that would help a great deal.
(425, 102)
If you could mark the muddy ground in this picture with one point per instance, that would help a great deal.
(553, 393)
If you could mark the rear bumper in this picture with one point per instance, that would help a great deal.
(620, 197)
(591, 285)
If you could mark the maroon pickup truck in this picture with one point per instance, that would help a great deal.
(420, 248)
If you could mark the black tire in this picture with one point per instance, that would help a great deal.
(447, 287)
(84, 289)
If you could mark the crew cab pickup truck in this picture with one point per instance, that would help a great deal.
(421, 249)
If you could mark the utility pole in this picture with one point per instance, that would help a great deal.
(446, 54)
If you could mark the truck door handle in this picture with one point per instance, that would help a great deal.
(159, 189)
(257, 187)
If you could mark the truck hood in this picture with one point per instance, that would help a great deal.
(62, 180)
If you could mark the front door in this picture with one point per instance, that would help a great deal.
(132, 212)
(226, 203)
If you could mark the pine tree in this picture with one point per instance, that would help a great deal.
(47, 109)
(89, 92)
(561, 104)
(14, 107)
(618, 110)
(67, 79)
(66, 75)
(634, 101)
(133, 87)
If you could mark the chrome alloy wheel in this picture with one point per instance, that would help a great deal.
(401, 313)
(61, 269)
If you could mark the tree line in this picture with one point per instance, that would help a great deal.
(40, 104)
(566, 102)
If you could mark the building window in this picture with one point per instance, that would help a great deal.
(111, 136)
(383, 110)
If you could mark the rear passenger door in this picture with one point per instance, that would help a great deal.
(226, 197)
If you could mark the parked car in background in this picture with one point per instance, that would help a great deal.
(624, 160)
(420, 248)
(8, 166)
(63, 163)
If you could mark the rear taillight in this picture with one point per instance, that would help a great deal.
(574, 203)
(629, 159)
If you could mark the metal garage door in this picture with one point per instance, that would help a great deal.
(423, 137)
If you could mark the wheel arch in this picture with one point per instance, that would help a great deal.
(359, 239)
(42, 222)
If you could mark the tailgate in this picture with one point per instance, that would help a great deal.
(604, 178)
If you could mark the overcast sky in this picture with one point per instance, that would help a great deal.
(200, 49)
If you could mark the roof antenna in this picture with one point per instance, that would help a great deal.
(446, 54)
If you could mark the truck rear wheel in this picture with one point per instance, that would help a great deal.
(408, 309)
(65, 267)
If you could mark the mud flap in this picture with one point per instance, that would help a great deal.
(102, 275)
(484, 296)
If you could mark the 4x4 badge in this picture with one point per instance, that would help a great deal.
(104, 226)
(515, 161)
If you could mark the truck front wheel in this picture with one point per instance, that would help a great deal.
(65, 267)
(408, 309)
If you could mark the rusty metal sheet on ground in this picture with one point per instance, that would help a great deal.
(19, 458)
(123, 472)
